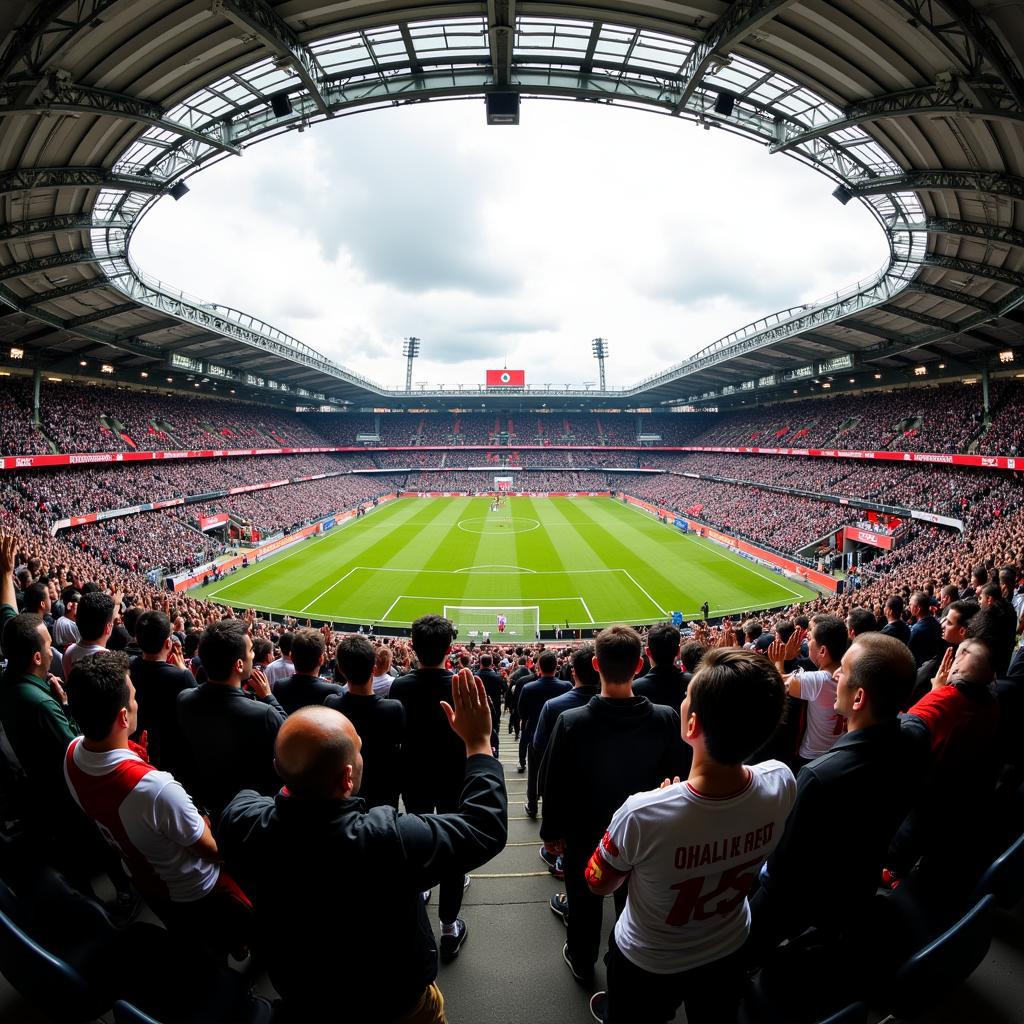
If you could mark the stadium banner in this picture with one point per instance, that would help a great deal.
(13, 462)
(506, 379)
(876, 540)
(112, 513)
(933, 517)
(212, 522)
(818, 579)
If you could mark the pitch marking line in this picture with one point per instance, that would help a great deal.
(329, 589)
(486, 568)
(644, 592)
(587, 610)
(461, 602)
(393, 603)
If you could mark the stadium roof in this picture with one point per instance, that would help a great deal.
(913, 107)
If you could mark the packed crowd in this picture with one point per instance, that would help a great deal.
(523, 480)
(82, 418)
(225, 744)
(785, 522)
(77, 490)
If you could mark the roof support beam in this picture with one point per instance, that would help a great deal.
(261, 19)
(43, 26)
(28, 179)
(984, 182)
(742, 18)
(57, 92)
(1013, 278)
(928, 100)
(23, 230)
(946, 326)
(501, 34)
(949, 295)
(965, 229)
(61, 259)
(99, 314)
(64, 290)
(962, 30)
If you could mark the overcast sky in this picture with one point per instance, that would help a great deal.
(508, 245)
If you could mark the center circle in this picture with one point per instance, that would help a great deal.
(498, 528)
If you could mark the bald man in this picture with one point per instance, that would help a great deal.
(314, 853)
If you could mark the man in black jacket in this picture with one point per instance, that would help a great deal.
(379, 861)
(495, 686)
(379, 721)
(433, 759)
(850, 802)
(230, 731)
(531, 702)
(305, 687)
(598, 755)
(159, 675)
(665, 683)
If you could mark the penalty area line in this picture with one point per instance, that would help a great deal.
(644, 592)
(330, 588)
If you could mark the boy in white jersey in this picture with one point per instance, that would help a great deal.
(691, 850)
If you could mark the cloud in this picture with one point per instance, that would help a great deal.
(509, 244)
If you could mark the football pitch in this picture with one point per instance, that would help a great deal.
(542, 562)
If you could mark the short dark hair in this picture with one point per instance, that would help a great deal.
(663, 643)
(356, 657)
(895, 605)
(97, 690)
(284, 642)
(690, 655)
(486, 661)
(965, 610)
(885, 670)
(831, 633)
(307, 649)
(95, 613)
(22, 640)
(583, 666)
(547, 662)
(860, 621)
(738, 697)
(618, 650)
(262, 649)
(752, 629)
(70, 595)
(784, 629)
(152, 631)
(432, 636)
(35, 596)
(220, 646)
(992, 590)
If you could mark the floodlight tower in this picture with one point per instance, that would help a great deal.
(410, 349)
(600, 347)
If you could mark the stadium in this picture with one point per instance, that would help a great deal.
(855, 459)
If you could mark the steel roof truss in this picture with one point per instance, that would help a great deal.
(261, 19)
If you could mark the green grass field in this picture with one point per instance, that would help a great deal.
(582, 561)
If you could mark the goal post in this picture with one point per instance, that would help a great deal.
(473, 620)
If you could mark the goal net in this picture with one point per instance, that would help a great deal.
(497, 620)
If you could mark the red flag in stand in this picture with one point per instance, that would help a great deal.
(506, 378)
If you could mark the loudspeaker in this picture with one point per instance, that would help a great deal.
(502, 107)
(724, 103)
(842, 193)
(281, 104)
(178, 191)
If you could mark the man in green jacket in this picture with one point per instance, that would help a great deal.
(39, 727)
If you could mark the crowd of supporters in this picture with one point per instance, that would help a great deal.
(80, 418)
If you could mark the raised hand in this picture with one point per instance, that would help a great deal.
(470, 718)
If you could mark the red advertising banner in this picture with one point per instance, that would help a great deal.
(506, 378)
(876, 540)
(211, 522)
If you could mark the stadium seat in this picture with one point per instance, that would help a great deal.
(1004, 878)
(47, 981)
(941, 965)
